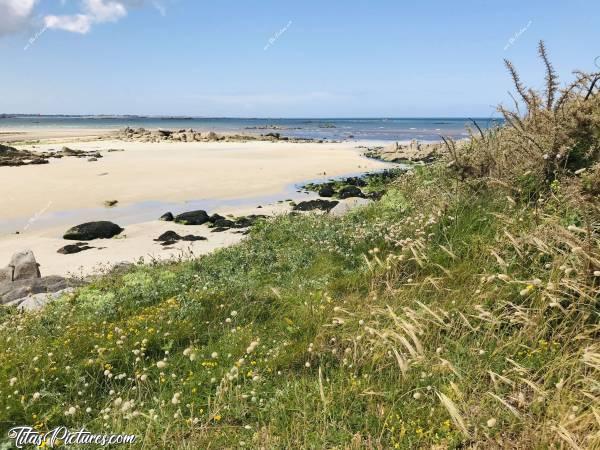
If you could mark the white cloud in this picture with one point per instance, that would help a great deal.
(78, 23)
(15, 14)
(95, 11)
(105, 11)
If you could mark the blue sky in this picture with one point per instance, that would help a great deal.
(322, 59)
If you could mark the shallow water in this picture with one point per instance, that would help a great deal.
(149, 210)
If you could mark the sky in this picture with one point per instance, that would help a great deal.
(302, 58)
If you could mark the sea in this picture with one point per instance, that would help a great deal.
(383, 129)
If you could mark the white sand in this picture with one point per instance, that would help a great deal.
(35, 198)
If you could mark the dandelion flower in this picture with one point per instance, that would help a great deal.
(161, 364)
(214, 355)
(491, 422)
(417, 395)
(36, 396)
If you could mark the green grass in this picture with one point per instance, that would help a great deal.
(387, 328)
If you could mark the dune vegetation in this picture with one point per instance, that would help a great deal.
(459, 311)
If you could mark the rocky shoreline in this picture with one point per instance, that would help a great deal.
(189, 135)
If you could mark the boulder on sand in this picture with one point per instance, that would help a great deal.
(73, 248)
(167, 217)
(310, 205)
(192, 217)
(24, 266)
(93, 230)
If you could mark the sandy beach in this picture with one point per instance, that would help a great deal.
(147, 179)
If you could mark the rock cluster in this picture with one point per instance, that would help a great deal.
(22, 285)
(216, 222)
(144, 135)
(402, 153)
(189, 135)
(10, 156)
(171, 237)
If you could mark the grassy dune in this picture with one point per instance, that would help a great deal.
(459, 311)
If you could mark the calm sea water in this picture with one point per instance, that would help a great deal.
(387, 129)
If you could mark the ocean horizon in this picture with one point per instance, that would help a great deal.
(385, 129)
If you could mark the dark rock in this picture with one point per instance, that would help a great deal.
(248, 221)
(350, 191)
(74, 248)
(219, 229)
(167, 217)
(168, 236)
(191, 238)
(164, 133)
(310, 205)
(111, 203)
(223, 223)
(192, 218)
(93, 230)
(215, 217)
(171, 237)
(326, 191)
